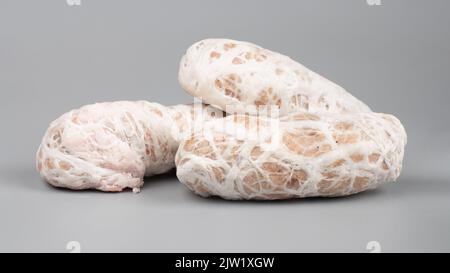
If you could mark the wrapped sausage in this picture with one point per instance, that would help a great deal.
(112, 146)
(241, 77)
(300, 155)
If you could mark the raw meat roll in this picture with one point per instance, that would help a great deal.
(300, 155)
(240, 77)
(112, 146)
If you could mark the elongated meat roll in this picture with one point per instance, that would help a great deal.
(300, 155)
(240, 77)
(112, 146)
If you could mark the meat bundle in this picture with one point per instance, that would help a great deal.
(269, 128)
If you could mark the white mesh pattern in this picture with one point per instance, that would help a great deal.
(245, 76)
(307, 155)
(112, 146)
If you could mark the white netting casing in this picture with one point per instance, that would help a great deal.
(243, 76)
(300, 155)
(322, 140)
(112, 146)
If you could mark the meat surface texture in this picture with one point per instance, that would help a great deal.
(299, 155)
(112, 146)
(241, 77)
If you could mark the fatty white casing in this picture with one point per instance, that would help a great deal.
(112, 146)
(301, 155)
(243, 76)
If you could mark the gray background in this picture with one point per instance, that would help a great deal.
(55, 57)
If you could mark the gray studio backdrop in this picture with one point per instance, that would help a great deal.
(55, 57)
